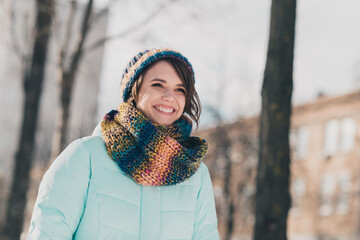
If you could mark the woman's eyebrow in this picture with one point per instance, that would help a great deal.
(158, 80)
(164, 81)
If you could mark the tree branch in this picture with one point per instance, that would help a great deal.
(69, 24)
(15, 43)
(84, 30)
(129, 30)
(102, 12)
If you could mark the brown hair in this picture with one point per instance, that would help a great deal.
(192, 101)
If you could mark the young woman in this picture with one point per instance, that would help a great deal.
(140, 176)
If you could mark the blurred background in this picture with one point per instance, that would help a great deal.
(91, 42)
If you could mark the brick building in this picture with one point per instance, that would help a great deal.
(325, 169)
(325, 179)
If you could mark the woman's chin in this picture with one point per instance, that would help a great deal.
(163, 122)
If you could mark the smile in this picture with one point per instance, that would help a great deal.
(164, 109)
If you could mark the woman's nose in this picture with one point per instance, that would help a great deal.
(168, 95)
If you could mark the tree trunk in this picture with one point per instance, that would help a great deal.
(33, 80)
(67, 76)
(228, 181)
(272, 197)
(67, 81)
(62, 115)
(222, 150)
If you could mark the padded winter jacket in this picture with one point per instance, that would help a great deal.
(85, 195)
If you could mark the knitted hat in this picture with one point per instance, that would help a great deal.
(144, 59)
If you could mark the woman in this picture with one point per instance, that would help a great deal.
(140, 176)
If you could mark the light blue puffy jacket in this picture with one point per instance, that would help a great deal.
(85, 195)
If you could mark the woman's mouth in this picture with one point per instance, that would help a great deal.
(164, 109)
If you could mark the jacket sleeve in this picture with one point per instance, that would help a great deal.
(62, 195)
(205, 218)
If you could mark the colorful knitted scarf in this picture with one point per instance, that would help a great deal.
(151, 154)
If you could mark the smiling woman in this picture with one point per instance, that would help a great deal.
(161, 95)
(141, 175)
(192, 106)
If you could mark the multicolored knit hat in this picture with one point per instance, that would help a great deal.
(144, 59)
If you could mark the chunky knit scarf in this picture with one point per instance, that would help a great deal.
(151, 154)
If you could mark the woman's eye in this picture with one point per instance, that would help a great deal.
(156, 85)
(181, 90)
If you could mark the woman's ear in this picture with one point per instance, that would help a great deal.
(133, 102)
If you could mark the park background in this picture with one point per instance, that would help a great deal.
(225, 41)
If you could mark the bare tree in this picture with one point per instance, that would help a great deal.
(67, 75)
(272, 197)
(67, 72)
(32, 86)
(223, 145)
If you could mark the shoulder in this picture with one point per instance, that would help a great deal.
(204, 177)
(84, 146)
(204, 171)
(78, 153)
(203, 167)
(199, 177)
(89, 143)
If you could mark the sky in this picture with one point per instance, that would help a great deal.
(226, 41)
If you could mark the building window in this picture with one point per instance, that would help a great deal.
(301, 142)
(331, 138)
(298, 190)
(343, 193)
(327, 187)
(348, 134)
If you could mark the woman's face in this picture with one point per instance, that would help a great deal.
(161, 96)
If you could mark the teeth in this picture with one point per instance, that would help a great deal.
(164, 109)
